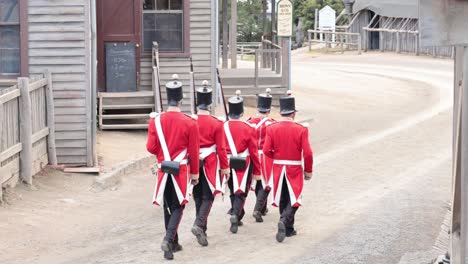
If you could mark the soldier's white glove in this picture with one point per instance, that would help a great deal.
(307, 176)
(225, 171)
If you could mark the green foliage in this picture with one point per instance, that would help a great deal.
(305, 9)
(250, 24)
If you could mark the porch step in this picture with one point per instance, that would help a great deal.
(136, 106)
(126, 95)
(125, 126)
(126, 116)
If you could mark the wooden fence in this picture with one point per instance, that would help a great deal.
(27, 137)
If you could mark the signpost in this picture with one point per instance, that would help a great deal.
(327, 21)
(443, 23)
(285, 26)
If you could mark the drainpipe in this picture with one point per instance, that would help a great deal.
(93, 77)
(214, 50)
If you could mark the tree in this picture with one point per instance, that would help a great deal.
(250, 20)
(305, 10)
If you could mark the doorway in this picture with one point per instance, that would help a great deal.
(374, 36)
(118, 40)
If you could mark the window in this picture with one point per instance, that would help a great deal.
(166, 21)
(10, 59)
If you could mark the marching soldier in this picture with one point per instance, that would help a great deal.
(213, 157)
(287, 143)
(170, 138)
(243, 151)
(262, 187)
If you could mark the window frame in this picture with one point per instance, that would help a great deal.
(186, 32)
(23, 25)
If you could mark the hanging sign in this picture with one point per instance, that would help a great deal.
(285, 18)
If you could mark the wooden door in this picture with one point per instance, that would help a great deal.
(118, 21)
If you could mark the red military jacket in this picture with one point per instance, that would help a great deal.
(212, 133)
(261, 130)
(288, 140)
(244, 137)
(180, 132)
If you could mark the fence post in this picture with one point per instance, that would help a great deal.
(25, 131)
(398, 42)
(417, 44)
(256, 68)
(359, 44)
(1, 129)
(52, 150)
(278, 62)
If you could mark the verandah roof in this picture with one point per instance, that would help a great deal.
(389, 8)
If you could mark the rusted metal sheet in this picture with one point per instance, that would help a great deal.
(443, 22)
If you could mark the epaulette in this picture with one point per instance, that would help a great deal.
(251, 125)
(267, 123)
(194, 117)
(153, 114)
(220, 118)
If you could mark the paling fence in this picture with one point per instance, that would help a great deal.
(27, 135)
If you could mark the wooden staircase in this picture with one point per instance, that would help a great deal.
(125, 110)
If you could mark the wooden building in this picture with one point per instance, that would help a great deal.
(93, 46)
(391, 25)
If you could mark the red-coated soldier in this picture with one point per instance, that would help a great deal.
(262, 187)
(171, 137)
(243, 152)
(287, 143)
(213, 160)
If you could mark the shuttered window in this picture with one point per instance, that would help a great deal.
(164, 22)
(10, 55)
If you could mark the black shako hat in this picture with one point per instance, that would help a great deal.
(287, 104)
(174, 91)
(204, 96)
(236, 105)
(264, 101)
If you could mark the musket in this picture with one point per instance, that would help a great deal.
(222, 94)
(192, 88)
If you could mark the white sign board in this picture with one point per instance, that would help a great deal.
(327, 19)
(443, 22)
(285, 18)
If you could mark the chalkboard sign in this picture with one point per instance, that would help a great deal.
(121, 67)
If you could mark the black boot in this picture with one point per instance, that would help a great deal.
(258, 216)
(201, 236)
(234, 224)
(176, 247)
(281, 235)
(166, 246)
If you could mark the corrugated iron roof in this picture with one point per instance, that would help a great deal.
(391, 8)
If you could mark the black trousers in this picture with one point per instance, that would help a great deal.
(262, 198)
(287, 212)
(203, 201)
(238, 200)
(173, 212)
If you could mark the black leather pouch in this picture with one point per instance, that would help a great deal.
(238, 163)
(171, 167)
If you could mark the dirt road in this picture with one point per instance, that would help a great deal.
(381, 133)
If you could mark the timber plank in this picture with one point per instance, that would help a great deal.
(137, 106)
(130, 126)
